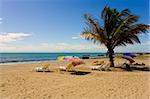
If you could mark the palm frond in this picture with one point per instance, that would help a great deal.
(93, 37)
(120, 28)
(130, 34)
(93, 24)
(124, 23)
(124, 13)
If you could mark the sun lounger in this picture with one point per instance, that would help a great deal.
(69, 67)
(139, 64)
(106, 67)
(97, 62)
(44, 68)
(95, 67)
(103, 67)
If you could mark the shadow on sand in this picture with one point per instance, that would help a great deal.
(79, 73)
(45, 71)
(136, 68)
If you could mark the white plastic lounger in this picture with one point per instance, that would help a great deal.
(62, 68)
(44, 68)
(69, 67)
(103, 66)
(96, 67)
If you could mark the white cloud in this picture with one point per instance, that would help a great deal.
(25, 48)
(74, 38)
(1, 19)
(78, 36)
(7, 46)
(61, 47)
(12, 37)
(51, 47)
(62, 44)
(44, 44)
(68, 47)
(144, 47)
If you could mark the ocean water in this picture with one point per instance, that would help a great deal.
(30, 57)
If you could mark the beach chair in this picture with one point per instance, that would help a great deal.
(44, 68)
(102, 67)
(97, 62)
(105, 67)
(95, 66)
(69, 67)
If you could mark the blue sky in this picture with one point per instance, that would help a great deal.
(55, 25)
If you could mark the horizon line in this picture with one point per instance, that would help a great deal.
(73, 52)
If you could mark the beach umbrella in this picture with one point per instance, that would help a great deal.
(129, 59)
(60, 58)
(67, 58)
(70, 58)
(74, 60)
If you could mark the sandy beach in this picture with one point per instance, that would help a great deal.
(45, 54)
(20, 81)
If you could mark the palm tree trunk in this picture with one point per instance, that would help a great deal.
(111, 56)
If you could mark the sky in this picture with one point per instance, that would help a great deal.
(56, 25)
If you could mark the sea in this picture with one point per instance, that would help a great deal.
(33, 57)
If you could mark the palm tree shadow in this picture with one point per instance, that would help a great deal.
(141, 68)
(79, 73)
(136, 68)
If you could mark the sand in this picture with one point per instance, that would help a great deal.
(19, 81)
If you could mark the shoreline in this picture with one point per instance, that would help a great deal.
(145, 56)
(27, 62)
(99, 56)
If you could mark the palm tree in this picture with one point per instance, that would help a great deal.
(119, 29)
